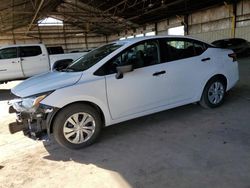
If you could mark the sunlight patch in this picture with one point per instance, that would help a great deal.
(50, 22)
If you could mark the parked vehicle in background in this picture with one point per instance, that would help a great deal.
(240, 46)
(55, 50)
(121, 81)
(23, 61)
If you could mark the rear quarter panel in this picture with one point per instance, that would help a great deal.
(230, 68)
(220, 64)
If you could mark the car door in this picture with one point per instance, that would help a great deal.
(33, 60)
(141, 89)
(10, 64)
(187, 64)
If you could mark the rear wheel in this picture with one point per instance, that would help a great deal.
(77, 126)
(213, 94)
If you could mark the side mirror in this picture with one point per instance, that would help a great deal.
(62, 64)
(123, 69)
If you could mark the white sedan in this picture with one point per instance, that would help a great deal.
(121, 81)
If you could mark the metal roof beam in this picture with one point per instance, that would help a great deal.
(35, 16)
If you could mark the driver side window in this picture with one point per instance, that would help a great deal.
(140, 55)
(8, 53)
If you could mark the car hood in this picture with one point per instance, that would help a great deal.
(46, 82)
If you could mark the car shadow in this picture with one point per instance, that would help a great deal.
(129, 148)
(151, 148)
(166, 148)
(5, 94)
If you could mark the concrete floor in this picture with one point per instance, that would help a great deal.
(184, 147)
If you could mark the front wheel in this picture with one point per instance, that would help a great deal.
(213, 94)
(77, 126)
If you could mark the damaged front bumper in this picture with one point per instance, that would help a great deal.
(34, 123)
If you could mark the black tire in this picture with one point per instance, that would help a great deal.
(62, 117)
(205, 102)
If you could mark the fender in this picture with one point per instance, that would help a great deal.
(203, 84)
(91, 92)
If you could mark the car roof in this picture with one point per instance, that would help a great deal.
(18, 45)
(128, 41)
(229, 39)
(157, 37)
(138, 39)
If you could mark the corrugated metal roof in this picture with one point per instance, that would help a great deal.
(95, 16)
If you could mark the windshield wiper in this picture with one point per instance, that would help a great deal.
(66, 70)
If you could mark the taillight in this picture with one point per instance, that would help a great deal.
(233, 56)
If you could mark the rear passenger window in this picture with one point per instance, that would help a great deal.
(180, 49)
(29, 51)
(175, 49)
(199, 48)
(55, 50)
(8, 53)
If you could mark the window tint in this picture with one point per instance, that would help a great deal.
(174, 49)
(141, 55)
(236, 41)
(8, 53)
(55, 50)
(225, 43)
(93, 57)
(199, 48)
(29, 51)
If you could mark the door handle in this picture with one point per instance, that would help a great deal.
(159, 73)
(206, 59)
(22, 59)
(15, 62)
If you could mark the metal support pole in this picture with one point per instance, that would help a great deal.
(39, 33)
(156, 29)
(106, 37)
(86, 41)
(14, 38)
(65, 40)
(186, 28)
(35, 16)
(234, 11)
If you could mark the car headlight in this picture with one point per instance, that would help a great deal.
(32, 102)
(29, 104)
(37, 100)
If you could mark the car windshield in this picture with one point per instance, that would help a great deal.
(92, 57)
